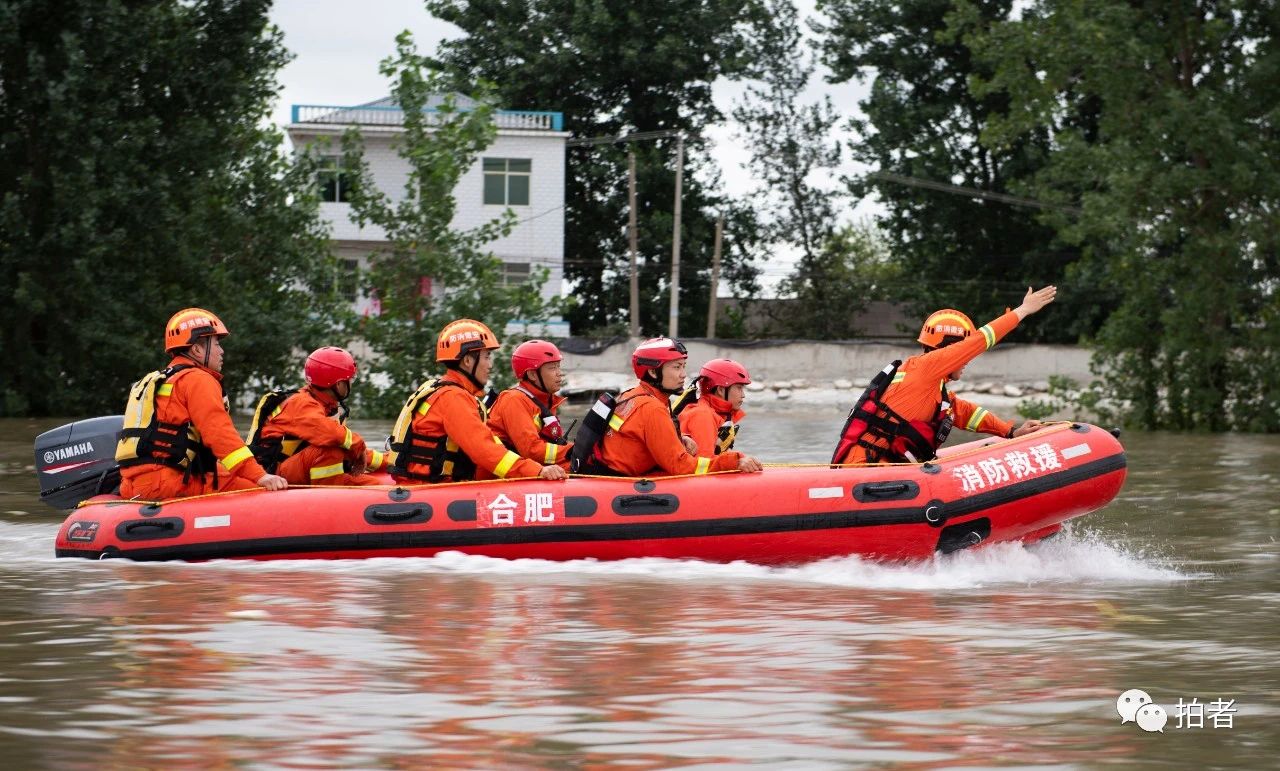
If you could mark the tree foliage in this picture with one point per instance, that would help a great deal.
(791, 143)
(616, 67)
(852, 266)
(921, 120)
(1178, 182)
(136, 178)
(439, 144)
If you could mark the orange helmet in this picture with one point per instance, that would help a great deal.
(187, 326)
(461, 337)
(945, 327)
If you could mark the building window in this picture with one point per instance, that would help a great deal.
(334, 180)
(347, 281)
(515, 273)
(506, 181)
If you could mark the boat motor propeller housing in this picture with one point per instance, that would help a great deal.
(78, 461)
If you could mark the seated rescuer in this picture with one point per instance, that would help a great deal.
(712, 421)
(907, 412)
(302, 435)
(178, 439)
(441, 434)
(643, 439)
(524, 417)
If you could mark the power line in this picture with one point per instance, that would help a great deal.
(971, 192)
(636, 136)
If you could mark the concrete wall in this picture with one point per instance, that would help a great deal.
(827, 362)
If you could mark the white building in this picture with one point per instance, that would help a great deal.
(523, 170)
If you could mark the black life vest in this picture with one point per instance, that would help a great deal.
(900, 440)
(583, 458)
(270, 452)
(442, 455)
(145, 439)
(725, 435)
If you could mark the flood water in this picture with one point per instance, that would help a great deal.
(1005, 657)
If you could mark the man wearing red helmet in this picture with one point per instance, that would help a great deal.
(907, 417)
(643, 439)
(178, 439)
(712, 421)
(524, 417)
(304, 439)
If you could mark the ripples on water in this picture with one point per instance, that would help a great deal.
(1005, 656)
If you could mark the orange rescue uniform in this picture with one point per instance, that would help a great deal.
(916, 390)
(642, 439)
(702, 421)
(196, 398)
(516, 418)
(456, 412)
(308, 415)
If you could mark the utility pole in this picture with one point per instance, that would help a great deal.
(715, 278)
(645, 136)
(673, 318)
(632, 235)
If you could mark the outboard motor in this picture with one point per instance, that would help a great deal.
(78, 461)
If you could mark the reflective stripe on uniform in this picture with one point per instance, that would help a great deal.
(324, 472)
(236, 458)
(505, 464)
(549, 456)
(898, 378)
(615, 422)
(976, 419)
(165, 390)
(346, 440)
(703, 465)
(422, 408)
(989, 334)
(375, 460)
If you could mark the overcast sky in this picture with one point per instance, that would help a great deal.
(337, 45)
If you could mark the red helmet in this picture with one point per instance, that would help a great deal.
(722, 373)
(532, 354)
(945, 327)
(655, 352)
(328, 366)
(187, 326)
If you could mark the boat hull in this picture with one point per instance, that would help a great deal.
(983, 492)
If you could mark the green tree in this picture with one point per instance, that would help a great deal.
(136, 178)
(615, 67)
(1178, 186)
(921, 120)
(852, 266)
(790, 142)
(430, 273)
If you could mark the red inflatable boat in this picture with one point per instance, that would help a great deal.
(986, 491)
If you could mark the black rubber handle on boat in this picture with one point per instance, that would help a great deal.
(396, 516)
(640, 500)
(162, 524)
(892, 488)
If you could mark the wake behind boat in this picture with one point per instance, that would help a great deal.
(988, 491)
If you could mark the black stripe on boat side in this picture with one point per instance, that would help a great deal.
(628, 531)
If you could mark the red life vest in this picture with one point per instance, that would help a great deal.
(900, 440)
